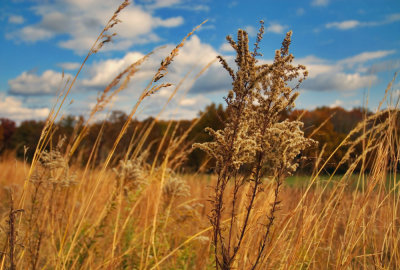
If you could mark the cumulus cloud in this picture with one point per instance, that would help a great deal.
(345, 25)
(69, 65)
(337, 103)
(16, 19)
(97, 75)
(180, 114)
(396, 92)
(176, 4)
(347, 74)
(32, 84)
(81, 22)
(347, 104)
(276, 28)
(350, 24)
(100, 73)
(194, 54)
(300, 12)
(272, 27)
(339, 81)
(186, 108)
(215, 79)
(225, 47)
(162, 3)
(343, 75)
(251, 30)
(320, 2)
(13, 108)
(189, 102)
(393, 64)
(192, 57)
(364, 57)
(30, 34)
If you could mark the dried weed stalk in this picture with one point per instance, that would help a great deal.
(255, 138)
(12, 233)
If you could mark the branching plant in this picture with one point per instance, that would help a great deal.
(255, 144)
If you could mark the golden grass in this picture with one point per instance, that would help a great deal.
(317, 227)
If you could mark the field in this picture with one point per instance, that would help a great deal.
(251, 212)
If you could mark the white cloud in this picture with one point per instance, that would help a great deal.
(345, 25)
(396, 93)
(101, 73)
(81, 21)
(348, 74)
(186, 108)
(350, 24)
(275, 28)
(180, 114)
(388, 65)
(272, 27)
(392, 18)
(339, 81)
(13, 108)
(251, 30)
(32, 84)
(364, 57)
(69, 65)
(346, 104)
(16, 19)
(176, 4)
(188, 102)
(198, 101)
(171, 22)
(320, 2)
(226, 47)
(337, 103)
(163, 3)
(30, 34)
(192, 57)
(345, 75)
(215, 79)
(300, 11)
(98, 74)
(194, 54)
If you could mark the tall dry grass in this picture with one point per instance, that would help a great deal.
(141, 214)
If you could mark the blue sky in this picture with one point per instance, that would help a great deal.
(351, 49)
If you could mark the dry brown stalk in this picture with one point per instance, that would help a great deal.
(12, 233)
(253, 137)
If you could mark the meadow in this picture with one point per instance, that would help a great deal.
(250, 212)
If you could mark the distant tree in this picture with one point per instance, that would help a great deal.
(7, 129)
(26, 136)
(214, 117)
(329, 135)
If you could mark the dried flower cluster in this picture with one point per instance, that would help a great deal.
(175, 187)
(104, 36)
(132, 172)
(254, 137)
(260, 94)
(54, 168)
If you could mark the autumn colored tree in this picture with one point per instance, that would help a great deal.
(213, 116)
(328, 126)
(7, 129)
(26, 137)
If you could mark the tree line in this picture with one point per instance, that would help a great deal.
(328, 126)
